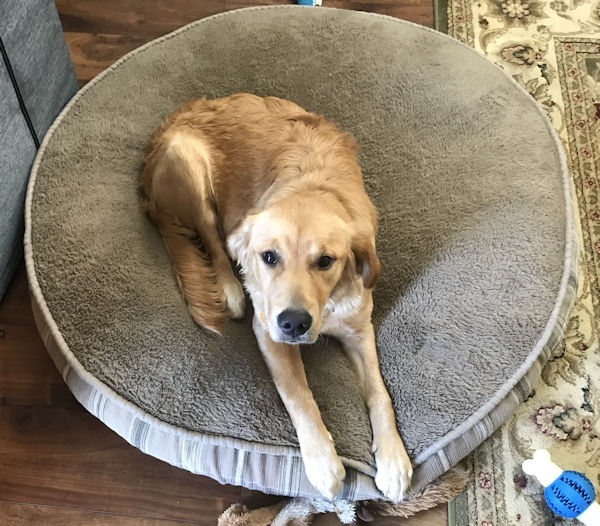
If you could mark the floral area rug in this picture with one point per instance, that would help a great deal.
(552, 48)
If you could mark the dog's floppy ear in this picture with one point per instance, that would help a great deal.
(239, 239)
(367, 262)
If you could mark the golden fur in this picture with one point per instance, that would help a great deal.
(245, 176)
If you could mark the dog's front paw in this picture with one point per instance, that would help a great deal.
(324, 469)
(236, 300)
(394, 469)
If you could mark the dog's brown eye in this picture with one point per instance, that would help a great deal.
(325, 262)
(269, 257)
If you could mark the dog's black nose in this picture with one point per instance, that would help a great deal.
(294, 322)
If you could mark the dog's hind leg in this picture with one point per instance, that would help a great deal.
(194, 272)
(232, 288)
(178, 179)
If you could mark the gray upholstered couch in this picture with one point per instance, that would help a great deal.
(36, 81)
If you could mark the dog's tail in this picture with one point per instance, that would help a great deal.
(193, 269)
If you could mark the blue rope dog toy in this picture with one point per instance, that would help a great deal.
(569, 494)
(309, 2)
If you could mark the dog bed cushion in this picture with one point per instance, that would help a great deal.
(476, 240)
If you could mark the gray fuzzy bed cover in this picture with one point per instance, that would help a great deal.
(476, 238)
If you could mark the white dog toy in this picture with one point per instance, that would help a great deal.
(569, 494)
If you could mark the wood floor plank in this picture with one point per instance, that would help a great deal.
(416, 11)
(93, 53)
(27, 374)
(70, 459)
(99, 33)
(134, 18)
(14, 514)
(240, 4)
(14, 306)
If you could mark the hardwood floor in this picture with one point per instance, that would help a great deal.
(98, 32)
(59, 465)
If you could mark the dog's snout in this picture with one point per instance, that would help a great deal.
(294, 322)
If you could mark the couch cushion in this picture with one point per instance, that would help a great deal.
(36, 81)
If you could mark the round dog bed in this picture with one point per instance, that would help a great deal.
(476, 240)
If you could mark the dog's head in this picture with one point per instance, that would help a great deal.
(294, 254)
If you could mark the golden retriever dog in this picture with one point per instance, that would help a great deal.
(280, 191)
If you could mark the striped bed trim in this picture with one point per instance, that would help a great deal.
(238, 464)
(279, 469)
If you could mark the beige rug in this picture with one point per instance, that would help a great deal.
(552, 47)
